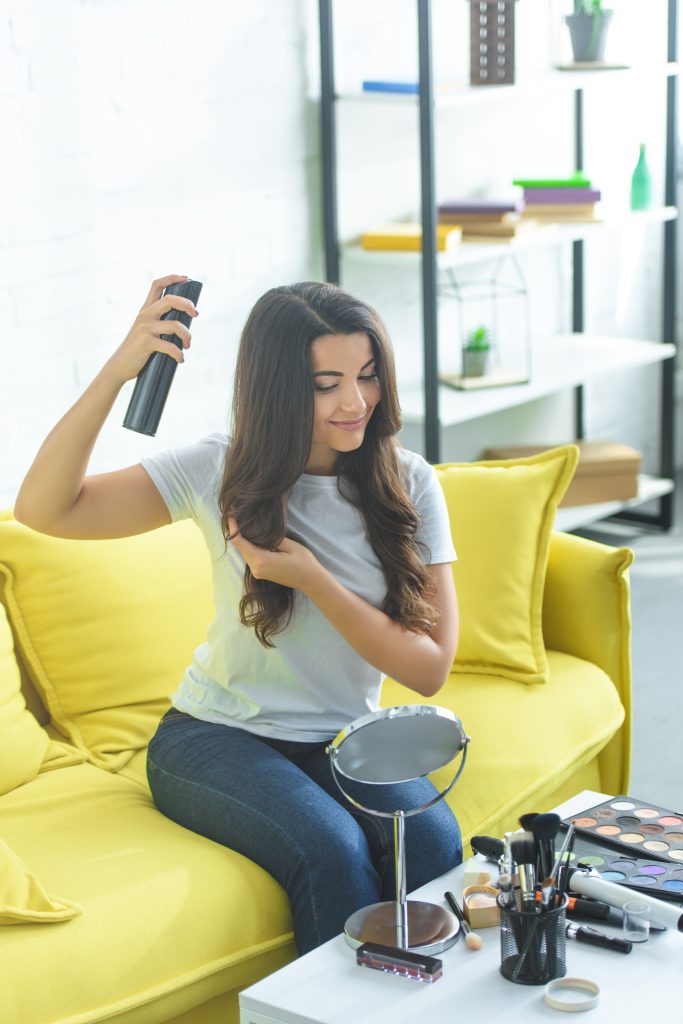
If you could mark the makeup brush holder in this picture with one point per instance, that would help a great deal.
(533, 945)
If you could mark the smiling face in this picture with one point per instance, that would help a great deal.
(346, 393)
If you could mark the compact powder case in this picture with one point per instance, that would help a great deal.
(480, 905)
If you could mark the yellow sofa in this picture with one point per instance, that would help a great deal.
(111, 912)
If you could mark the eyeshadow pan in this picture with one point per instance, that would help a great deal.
(587, 822)
(673, 885)
(603, 812)
(615, 876)
(675, 837)
(643, 880)
(623, 805)
(634, 837)
(609, 830)
(669, 819)
(625, 865)
(677, 873)
(593, 860)
(646, 812)
(656, 845)
(676, 854)
(650, 829)
(653, 869)
(628, 821)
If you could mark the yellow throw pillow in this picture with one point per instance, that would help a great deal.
(502, 514)
(106, 628)
(22, 740)
(22, 897)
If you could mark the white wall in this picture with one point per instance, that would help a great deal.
(144, 137)
(150, 136)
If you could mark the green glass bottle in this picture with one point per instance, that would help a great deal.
(641, 183)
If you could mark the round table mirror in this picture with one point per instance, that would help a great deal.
(389, 746)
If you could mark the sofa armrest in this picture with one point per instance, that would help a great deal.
(587, 613)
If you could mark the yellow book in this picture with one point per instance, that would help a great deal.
(407, 237)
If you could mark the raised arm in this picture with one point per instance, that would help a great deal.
(417, 660)
(56, 496)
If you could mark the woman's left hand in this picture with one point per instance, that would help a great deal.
(290, 564)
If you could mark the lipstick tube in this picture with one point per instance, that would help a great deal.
(593, 937)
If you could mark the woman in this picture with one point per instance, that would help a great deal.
(331, 556)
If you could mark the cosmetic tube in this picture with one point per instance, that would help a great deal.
(591, 884)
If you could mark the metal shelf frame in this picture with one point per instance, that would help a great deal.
(663, 518)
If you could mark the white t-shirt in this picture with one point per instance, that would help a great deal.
(312, 683)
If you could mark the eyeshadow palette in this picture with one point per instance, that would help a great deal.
(638, 873)
(635, 827)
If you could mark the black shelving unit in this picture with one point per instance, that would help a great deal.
(663, 518)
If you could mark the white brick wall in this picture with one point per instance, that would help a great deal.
(144, 137)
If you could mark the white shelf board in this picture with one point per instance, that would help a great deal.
(563, 362)
(573, 518)
(469, 253)
(458, 93)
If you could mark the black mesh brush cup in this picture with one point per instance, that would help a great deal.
(155, 378)
(532, 944)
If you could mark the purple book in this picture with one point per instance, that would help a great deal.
(561, 195)
(483, 207)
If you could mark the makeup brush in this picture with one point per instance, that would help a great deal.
(507, 861)
(490, 848)
(472, 940)
(523, 850)
(559, 872)
(545, 828)
(506, 872)
(562, 888)
(526, 820)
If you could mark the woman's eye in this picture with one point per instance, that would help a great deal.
(364, 379)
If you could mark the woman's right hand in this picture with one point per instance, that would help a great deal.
(144, 337)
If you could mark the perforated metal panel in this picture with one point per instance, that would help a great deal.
(492, 42)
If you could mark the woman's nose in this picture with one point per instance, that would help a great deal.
(352, 399)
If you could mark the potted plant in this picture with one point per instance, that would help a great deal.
(588, 27)
(475, 353)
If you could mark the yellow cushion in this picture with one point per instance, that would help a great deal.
(22, 741)
(169, 918)
(22, 897)
(502, 514)
(525, 741)
(106, 628)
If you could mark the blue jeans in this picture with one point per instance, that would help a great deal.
(276, 802)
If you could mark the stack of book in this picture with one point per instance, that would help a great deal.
(407, 237)
(559, 200)
(486, 220)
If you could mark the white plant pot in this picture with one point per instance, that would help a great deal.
(588, 33)
(475, 362)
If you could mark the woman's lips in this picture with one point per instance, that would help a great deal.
(349, 424)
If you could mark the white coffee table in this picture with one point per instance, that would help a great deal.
(326, 986)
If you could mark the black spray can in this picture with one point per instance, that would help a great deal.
(154, 380)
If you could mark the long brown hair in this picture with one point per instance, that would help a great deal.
(272, 425)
